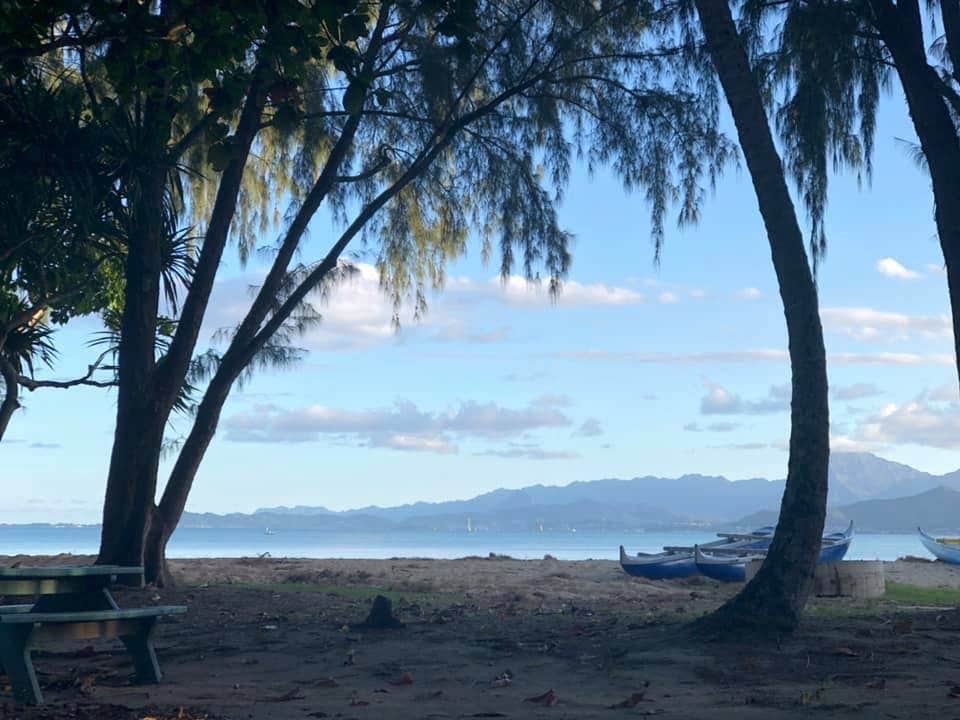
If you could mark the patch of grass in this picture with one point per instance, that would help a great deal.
(904, 594)
(839, 612)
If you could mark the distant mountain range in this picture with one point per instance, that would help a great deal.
(879, 495)
(934, 509)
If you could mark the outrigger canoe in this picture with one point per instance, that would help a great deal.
(946, 549)
(679, 562)
(728, 566)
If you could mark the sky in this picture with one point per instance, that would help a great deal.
(634, 370)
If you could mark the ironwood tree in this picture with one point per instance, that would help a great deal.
(831, 61)
(774, 599)
(416, 124)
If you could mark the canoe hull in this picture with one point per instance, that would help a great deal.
(676, 563)
(661, 566)
(940, 551)
(724, 570)
(662, 570)
(735, 569)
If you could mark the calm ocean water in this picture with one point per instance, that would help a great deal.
(198, 542)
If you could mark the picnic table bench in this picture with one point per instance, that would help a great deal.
(73, 603)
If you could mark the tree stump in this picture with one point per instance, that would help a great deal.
(847, 578)
(381, 616)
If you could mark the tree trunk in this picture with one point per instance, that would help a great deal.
(901, 28)
(168, 513)
(155, 568)
(138, 437)
(11, 401)
(773, 601)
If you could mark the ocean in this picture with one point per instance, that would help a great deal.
(206, 543)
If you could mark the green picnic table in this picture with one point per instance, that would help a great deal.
(72, 603)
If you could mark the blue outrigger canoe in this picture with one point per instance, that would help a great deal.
(732, 567)
(724, 559)
(679, 562)
(945, 549)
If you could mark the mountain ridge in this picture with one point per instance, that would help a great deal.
(647, 502)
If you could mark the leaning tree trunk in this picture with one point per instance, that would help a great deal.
(141, 418)
(166, 516)
(11, 393)
(773, 601)
(901, 28)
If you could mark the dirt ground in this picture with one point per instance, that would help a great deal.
(499, 638)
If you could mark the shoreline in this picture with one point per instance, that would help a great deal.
(475, 572)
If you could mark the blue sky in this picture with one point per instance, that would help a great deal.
(636, 370)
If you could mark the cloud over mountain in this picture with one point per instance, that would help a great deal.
(403, 426)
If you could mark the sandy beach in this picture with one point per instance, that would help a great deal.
(502, 638)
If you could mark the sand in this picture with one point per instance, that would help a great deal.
(499, 638)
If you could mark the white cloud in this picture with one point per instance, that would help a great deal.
(856, 391)
(517, 290)
(667, 298)
(698, 294)
(461, 333)
(867, 324)
(931, 419)
(720, 401)
(750, 293)
(845, 443)
(893, 269)
(402, 427)
(889, 358)
(743, 446)
(948, 392)
(591, 427)
(936, 269)
(721, 356)
(416, 443)
(358, 314)
(753, 356)
(917, 422)
(712, 427)
(528, 452)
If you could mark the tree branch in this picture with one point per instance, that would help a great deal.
(31, 312)
(380, 165)
(32, 384)
(950, 14)
(177, 359)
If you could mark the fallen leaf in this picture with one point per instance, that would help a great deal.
(954, 692)
(405, 678)
(548, 699)
(357, 702)
(327, 683)
(877, 684)
(88, 685)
